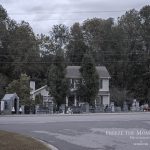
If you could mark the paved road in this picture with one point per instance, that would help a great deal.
(130, 131)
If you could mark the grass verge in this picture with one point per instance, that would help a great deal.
(14, 141)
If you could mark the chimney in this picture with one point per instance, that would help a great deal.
(32, 86)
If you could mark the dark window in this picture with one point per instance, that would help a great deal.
(100, 83)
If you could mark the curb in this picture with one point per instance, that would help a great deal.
(46, 144)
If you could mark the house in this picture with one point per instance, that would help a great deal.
(73, 75)
(43, 91)
(9, 103)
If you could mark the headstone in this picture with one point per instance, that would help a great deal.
(84, 107)
(36, 109)
(118, 109)
(87, 107)
(22, 107)
(112, 105)
(125, 107)
(135, 105)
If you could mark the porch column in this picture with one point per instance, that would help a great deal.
(75, 100)
(66, 101)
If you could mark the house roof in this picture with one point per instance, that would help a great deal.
(73, 72)
(37, 90)
(10, 96)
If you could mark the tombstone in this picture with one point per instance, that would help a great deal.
(50, 107)
(112, 105)
(125, 107)
(10, 103)
(135, 105)
(84, 107)
(62, 108)
(22, 107)
(118, 109)
(37, 109)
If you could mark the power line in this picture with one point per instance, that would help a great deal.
(72, 12)
(104, 53)
(34, 62)
(69, 12)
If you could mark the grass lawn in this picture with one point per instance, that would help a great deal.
(13, 141)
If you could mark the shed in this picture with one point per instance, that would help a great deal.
(10, 102)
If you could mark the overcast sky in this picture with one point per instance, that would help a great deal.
(43, 14)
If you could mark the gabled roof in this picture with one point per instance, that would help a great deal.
(73, 72)
(10, 96)
(37, 90)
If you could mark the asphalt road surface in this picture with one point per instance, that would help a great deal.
(124, 131)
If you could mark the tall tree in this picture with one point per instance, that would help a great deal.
(76, 47)
(24, 50)
(58, 38)
(97, 35)
(56, 79)
(3, 83)
(4, 42)
(90, 83)
(145, 32)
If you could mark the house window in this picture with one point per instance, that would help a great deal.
(101, 100)
(100, 83)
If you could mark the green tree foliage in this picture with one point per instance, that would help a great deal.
(59, 36)
(22, 88)
(4, 34)
(90, 84)
(24, 50)
(123, 47)
(3, 82)
(76, 47)
(56, 79)
(38, 99)
(97, 35)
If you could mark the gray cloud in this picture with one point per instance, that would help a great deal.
(43, 14)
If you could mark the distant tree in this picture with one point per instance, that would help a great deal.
(58, 38)
(24, 50)
(90, 84)
(3, 83)
(76, 47)
(56, 79)
(5, 68)
(22, 88)
(97, 36)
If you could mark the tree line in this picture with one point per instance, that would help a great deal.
(123, 46)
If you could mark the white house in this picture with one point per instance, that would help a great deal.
(73, 75)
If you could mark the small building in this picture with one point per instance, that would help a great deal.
(9, 103)
(43, 92)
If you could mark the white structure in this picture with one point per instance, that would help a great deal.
(43, 91)
(9, 103)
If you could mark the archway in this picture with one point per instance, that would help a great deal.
(15, 105)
